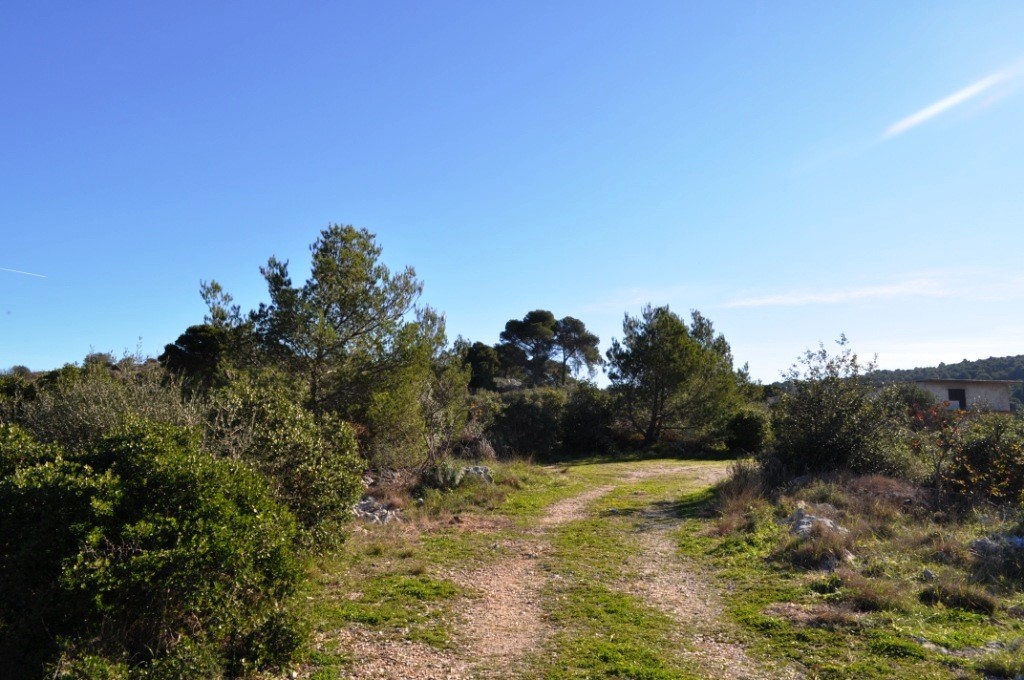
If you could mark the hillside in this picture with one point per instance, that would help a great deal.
(993, 368)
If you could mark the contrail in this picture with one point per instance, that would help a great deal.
(943, 105)
(18, 271)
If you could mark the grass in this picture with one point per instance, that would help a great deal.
(879, 617)
(604, 631)
(913, 588)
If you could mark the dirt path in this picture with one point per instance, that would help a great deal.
(676, 587)
(505, 624)
(502, 626)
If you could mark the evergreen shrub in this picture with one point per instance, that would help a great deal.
(140, 552)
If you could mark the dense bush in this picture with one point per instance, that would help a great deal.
(587, 421)
(831, 419)
(529, 422)
(444, 474)
(748, 431)
(987, 462)
(143, 552)
(313, 465)
(75, 406)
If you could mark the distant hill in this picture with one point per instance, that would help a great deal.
(993, 368)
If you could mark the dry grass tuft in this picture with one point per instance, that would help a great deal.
(740, 497)
(815, 616)
(871, 595)
(959, 594)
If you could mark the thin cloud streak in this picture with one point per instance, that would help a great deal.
(973, 285)
(630, 298)
(943, 105)
(921, 287)
(18, 271)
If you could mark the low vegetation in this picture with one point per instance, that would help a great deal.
(191, 516)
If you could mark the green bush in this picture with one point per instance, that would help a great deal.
(529, 422)
(831, 419)
(75, 406)
(138, 551)
(748, 431)
(959, 594)
(313, 465)
(587, 421)
(446, 473)
(988, 462)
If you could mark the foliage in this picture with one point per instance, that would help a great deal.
(749, 430)
(484, 365)
(665, 378)
(354, 337)
(529, 347)
(340, 324)
(534, 338)
(445, 474)
(529, 422)
(587, 421)
(417, 410)
(313, 465)
(197, 355)
(987, 462)
(140, 550)
(75, 406)
(578, 347)
(830, 420)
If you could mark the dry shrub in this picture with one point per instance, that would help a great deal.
(870, 595)
(395, 490)
(959, 594)
(998, 567)
(815, 616)
(740, 498)
(937, 546)
(831, 490)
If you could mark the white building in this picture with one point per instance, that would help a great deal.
(969, 394)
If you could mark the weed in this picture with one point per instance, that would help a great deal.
(869, 594)
(1006, 663)
(960, 595)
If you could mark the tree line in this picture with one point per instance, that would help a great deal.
(157, 516)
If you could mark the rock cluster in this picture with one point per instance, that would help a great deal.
(805, 525)
(802, 523)
(480, 471)
(374, 512)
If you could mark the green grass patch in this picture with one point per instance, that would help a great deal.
(394, 601)
(607, 634)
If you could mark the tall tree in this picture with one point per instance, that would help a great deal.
(534, 335)
(577, 345)
(484, 364)
(665, 379)
(344, 318)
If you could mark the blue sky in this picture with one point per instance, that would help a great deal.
(793, 170)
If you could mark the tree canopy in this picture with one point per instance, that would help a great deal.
(546, 349)
(667, 377)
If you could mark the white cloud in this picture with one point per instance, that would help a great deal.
(943, 105)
